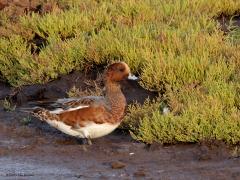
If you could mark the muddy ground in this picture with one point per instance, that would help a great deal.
(31, 149)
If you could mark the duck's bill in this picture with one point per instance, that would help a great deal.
(132, 77)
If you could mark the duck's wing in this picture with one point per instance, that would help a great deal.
(78, 102)
(76, 112)
(73, 104)
(66, 104)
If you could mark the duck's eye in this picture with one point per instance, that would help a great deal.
(121, 69)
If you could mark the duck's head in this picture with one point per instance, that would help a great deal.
(117, 72)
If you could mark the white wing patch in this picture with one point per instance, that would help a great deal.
(57, 111)
(60, 110)
(75, 108)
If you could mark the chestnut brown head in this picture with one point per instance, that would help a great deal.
(117, 72)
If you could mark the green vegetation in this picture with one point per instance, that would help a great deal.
(176, 46)
(7, 105)
(26, 120)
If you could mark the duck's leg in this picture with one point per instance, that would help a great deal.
(86, 139)
(89, 142)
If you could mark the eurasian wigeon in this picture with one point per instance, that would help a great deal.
(91, 117)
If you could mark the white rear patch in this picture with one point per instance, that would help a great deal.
(91, 130)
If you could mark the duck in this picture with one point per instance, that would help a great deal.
(91, 116)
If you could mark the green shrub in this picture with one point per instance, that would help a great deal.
(19, 66)
(62, 57)
(64, 24)
(16, 61)
(201, 116)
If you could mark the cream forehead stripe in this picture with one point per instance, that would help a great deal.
(126, 66)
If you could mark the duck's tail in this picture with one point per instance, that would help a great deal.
(40, 113)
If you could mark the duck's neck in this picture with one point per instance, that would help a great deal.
(116, 99)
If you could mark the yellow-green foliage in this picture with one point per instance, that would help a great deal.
(16, 61)
(176, 46)
(7, 105)
(18, 66)
(201, 116)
